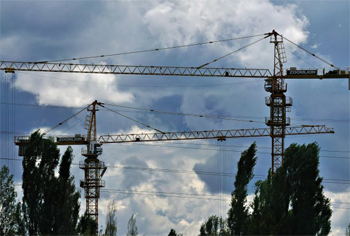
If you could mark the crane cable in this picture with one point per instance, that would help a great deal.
(151, 50)
(49, 130)
(185, 114)
(139, 122)
(231, 52)
(313, 54)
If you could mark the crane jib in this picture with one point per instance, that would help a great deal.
(11, 67)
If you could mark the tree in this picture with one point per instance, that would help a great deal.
(67, 203)
(111, 219)
(291, 201)
(347, 231)
(172, 232)
(311, 211)
(132, 227)
(214, 226)
(8, 207)
(270, 206)
(50, 203)
(238, 213)
(87, 225)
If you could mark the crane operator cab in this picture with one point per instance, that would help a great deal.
(95, 148)
(268, 85)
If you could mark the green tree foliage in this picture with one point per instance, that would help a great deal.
(270, 206)
(172, 232)
(311, 211)
(292, 201)
(67, 200)
(238, 213)
(8, 206)
(50, 203)
(214, 226)
(87, 225)
(111, 219)
(347, 231)
(132, 227)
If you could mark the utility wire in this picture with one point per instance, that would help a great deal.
(228, 150)
(151, 50)
(175, 113)
(197, 172)
(180, 195)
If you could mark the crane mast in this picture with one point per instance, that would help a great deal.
(277, 102)
(92, 166)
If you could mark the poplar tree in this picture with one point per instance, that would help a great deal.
(311, 211)
(67, 200)
(87, 225)
(8, 206)
(214, 226)
(132, 227)
(39, 162)
(291, 201)
(238, 213)
(50, 204)
(111, 219)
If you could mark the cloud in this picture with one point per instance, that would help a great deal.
(316, 45)
(71, 90)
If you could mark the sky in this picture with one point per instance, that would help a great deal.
(166, 184)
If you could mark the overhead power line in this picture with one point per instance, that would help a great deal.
(197, 172)
(212, 197)
(227, 150)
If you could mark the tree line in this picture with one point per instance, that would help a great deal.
(290, 201)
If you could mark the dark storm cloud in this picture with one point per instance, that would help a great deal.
(208, 173)
(134, 178)
(39, 29)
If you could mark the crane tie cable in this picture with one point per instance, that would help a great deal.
(49, 130)
(139, 122)
(231, 52)
(184, 114)
(151, 50)
(311, 53)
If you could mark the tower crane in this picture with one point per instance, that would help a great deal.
(274, 84)
(94, 169)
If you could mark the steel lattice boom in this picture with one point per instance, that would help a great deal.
(214, 134)
(10, 66)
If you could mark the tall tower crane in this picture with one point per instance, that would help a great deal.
(274, 83)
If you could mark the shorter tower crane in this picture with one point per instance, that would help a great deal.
(94, 169)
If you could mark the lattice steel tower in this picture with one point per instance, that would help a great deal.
(92, 166)
(279, 104)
